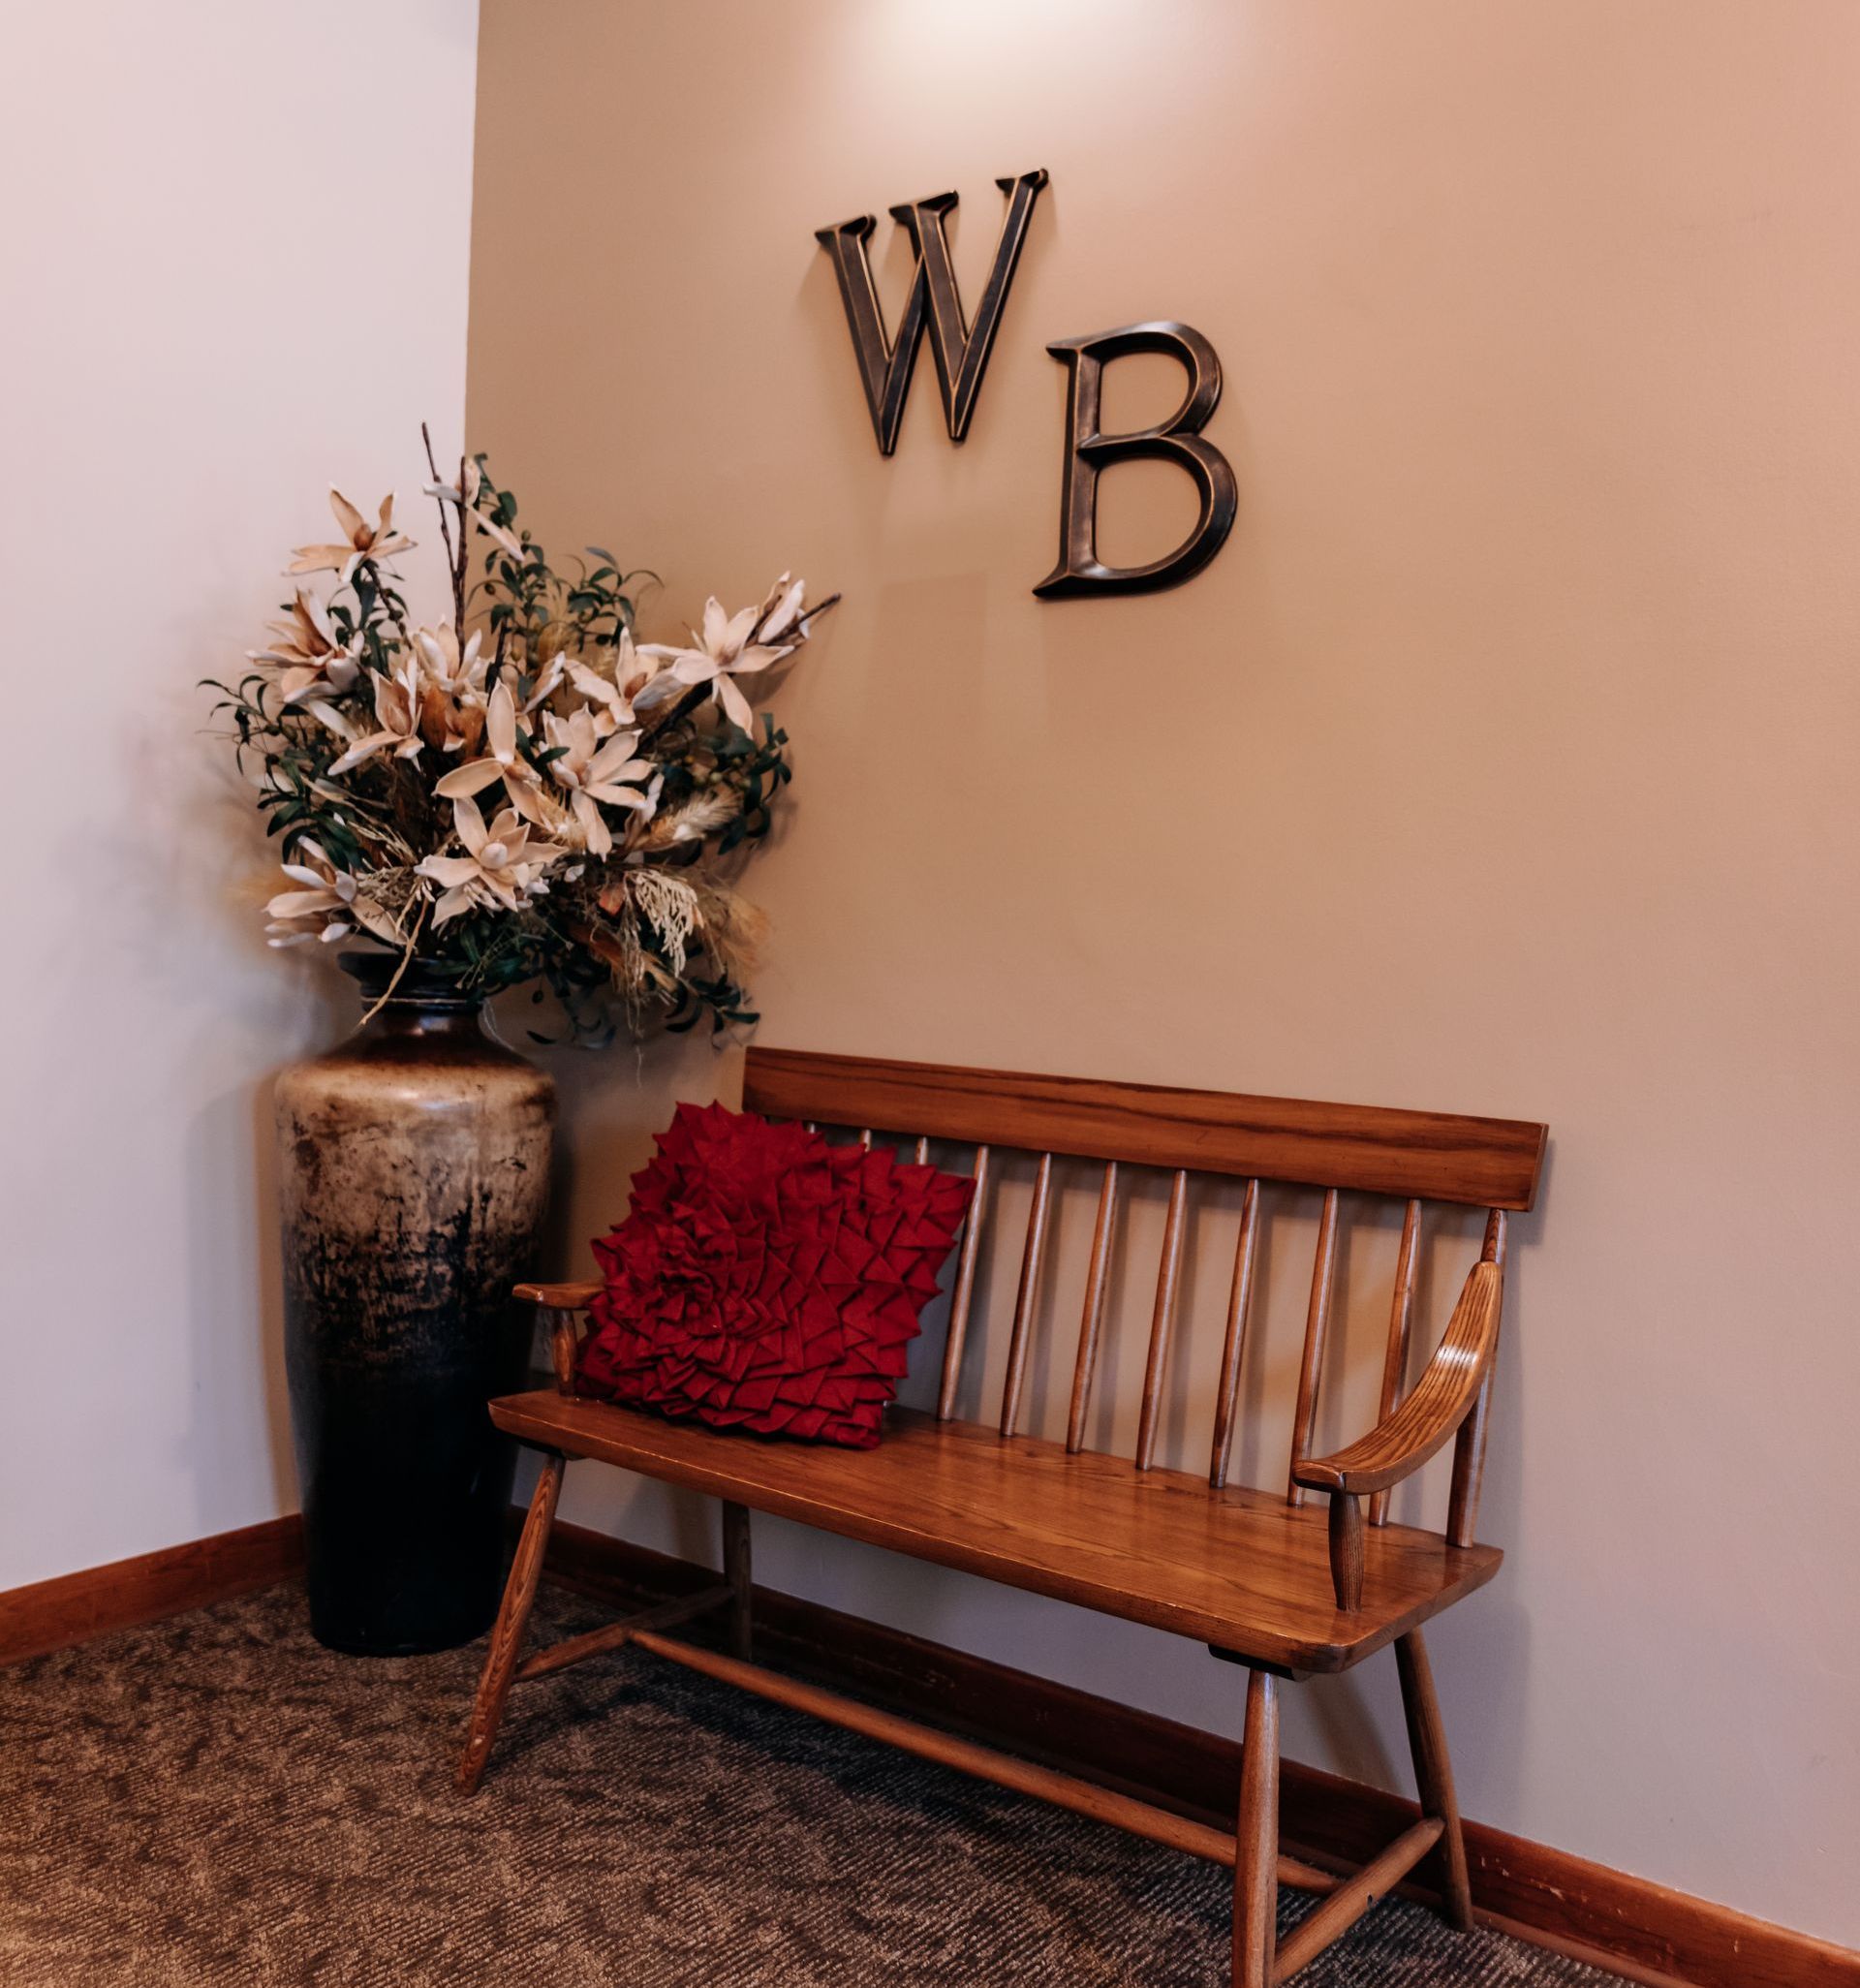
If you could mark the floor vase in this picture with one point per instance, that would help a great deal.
(415, 1168)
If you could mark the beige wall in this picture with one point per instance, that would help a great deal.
(1505, 761)
(234, 246)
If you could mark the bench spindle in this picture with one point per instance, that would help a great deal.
(1494, 1250)
(1401, 1315)
(1168, 1280)
(1097, 1277)
(1028, 1295)
(1234, 1350)
(1323, 1276)
(964, 1292)
(565, 1345)
(1468, 1446)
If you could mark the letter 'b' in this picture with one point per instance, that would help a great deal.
(1178, 439)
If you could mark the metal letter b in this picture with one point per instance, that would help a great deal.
(1178, 439)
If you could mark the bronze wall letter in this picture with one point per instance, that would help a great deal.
(1177, 440)
(962, 353)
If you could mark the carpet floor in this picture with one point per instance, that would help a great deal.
(216, 1800)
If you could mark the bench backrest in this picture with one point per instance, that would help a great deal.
(1414, 1157)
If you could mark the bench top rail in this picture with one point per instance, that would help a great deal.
(1435, 1156)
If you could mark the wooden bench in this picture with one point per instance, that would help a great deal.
(1263, 1577)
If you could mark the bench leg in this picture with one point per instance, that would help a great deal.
(1255, 1866)
(507, 1633)
(737, 1573)
(1433, 1771)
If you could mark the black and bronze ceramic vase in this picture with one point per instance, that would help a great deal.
(415, 1162)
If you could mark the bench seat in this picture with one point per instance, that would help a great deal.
(1238, 1570)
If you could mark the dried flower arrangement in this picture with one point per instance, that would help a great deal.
(629, 777)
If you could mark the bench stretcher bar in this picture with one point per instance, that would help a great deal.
(1004, 1770)
(612, 1636)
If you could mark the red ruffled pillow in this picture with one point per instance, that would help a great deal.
(765, 1280)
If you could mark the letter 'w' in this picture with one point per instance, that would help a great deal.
(962, 352)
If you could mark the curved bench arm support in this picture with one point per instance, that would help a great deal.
(558, 1298)
(1451, 1391)
(560, 1306)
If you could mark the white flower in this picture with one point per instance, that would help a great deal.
(463, 497)
(782, 616)
(503, 763)
(593, 773)
(307, 652)
(501, 867)
(363, 540)
(396, 712)
(459, 674)
(453, 698)
(325, 892)
(548, 682)
(635, 674)
(781, 612)
(723, 652)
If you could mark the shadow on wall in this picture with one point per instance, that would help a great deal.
(610, 1104)
(236, 1280)
(1482, 1654)
(250, 1012)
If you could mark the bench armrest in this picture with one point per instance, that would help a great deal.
(1447, 1393)
(1399, 1447)
(559, 1297)
(560, 1304)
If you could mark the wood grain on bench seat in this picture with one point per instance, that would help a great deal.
(1237, 1568)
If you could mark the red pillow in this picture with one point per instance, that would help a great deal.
(765, 1280)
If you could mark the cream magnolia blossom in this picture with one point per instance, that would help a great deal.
(629, 686)
(502, 866)
(606, 707)
(452, 697)
(782, 609)
(325, 893)
(591, 772)
(397, 717)
(362, 541)
(721, 651)
(308, 652)
(463, 496)
(503, 762)
(459, 673)
(546, 684)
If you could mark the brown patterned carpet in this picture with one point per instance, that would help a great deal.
(215, 1800)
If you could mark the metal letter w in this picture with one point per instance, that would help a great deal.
(962, 352)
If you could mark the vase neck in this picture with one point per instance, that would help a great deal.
(410, 997)
(429, 1021)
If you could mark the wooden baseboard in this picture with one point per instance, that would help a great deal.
(52, 1615)
(1635, 1928)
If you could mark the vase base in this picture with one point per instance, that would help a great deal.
(453, 1637)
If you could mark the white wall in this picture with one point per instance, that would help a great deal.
(235, 245)
(1505, 760)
